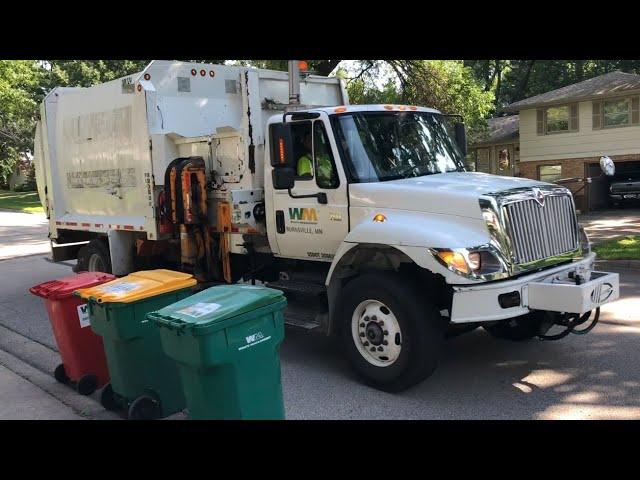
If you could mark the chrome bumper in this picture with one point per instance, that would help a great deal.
(551, 290)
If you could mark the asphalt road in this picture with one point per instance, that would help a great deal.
(595, 376)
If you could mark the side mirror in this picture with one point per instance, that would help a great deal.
(607, 166)
(281, 145)
(461, 138)
(283, 178)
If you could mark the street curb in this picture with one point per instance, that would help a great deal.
(615, 264)
(32, 360)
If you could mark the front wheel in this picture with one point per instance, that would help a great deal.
(389, 332)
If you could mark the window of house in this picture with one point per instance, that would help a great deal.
(483, 160)
(559, 119)
(504, 160)
(549, 173)
(617, 112)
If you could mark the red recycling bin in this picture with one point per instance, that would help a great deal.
(83, 359)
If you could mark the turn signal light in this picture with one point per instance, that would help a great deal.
(281, 147)
(303, 65)
(379, 218)
(455, 260)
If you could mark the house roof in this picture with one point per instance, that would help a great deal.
(609, 84)
(501, 130)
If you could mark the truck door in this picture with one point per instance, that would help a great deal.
(306, 227)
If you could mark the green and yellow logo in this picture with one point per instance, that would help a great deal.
(306, 215)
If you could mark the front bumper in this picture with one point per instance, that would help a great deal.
(551, 290)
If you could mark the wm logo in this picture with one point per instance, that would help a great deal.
(303, 214)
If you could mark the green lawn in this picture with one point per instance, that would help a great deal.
(28, 202)
(620, 248)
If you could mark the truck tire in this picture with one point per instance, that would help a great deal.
(517, 329)
(389, 332)
(94, 257)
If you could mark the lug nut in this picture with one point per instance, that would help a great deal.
(380, 349)
(374, 318)
(362, 334)
(381, 323)
(362, 325)
(366, 319)
(366, 344)
(386, 332)
(373, 349)
(384, 342)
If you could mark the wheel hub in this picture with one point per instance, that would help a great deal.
(376, 333)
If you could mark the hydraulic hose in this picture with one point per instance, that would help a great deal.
(573, 323)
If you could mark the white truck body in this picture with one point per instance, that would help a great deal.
(102, 151)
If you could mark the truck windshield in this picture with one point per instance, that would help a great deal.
(381, 146)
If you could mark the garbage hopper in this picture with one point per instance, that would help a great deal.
(226, 341)
(144, 381)
(83, 361)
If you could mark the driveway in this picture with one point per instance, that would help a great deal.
(22, 234)
(606, 224)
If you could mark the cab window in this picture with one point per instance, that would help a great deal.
(312, 152)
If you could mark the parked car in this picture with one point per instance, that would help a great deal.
(624, 187)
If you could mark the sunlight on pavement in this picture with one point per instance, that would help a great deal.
(576, 411)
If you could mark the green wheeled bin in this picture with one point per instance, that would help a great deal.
(226, 342)
(144, 381)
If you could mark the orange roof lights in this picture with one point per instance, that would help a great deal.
(303, 65)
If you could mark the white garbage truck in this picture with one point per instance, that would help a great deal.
(364, 215)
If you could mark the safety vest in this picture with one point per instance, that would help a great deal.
(325, 168)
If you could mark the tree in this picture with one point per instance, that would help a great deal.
(446, 85)
(19, 95)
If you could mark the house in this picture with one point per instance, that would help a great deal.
(498, 151)
(18, 177)
(564, 132)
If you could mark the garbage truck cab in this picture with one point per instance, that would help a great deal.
(363, 215)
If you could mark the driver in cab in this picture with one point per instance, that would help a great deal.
(326, 173)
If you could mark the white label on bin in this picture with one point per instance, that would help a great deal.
(119, 288)
(255, 339)
(83, 315)
(198, 310)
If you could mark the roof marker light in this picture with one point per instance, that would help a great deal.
(340, 109)
(388, 107)
(139, 87)
(303, 65)
(203, 72)
(193, 72)
(147, 76)
(212, 73)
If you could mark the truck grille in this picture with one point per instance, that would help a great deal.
(539, 232)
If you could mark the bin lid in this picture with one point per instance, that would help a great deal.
(138, 286)
(64, 287)
(216, 304)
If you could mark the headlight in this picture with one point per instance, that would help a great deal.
(471, 263)
(585, 244)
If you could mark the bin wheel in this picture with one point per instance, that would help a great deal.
(87, 384)
(108, 399)
(60, 374)
(144, 408)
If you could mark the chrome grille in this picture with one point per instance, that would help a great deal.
(539, 232)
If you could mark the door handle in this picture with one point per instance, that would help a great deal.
(280, 221)
(321, 196)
